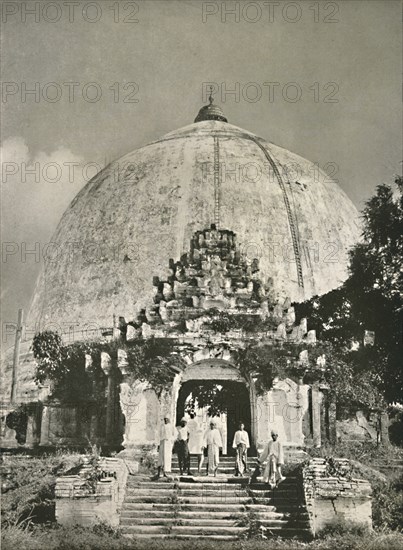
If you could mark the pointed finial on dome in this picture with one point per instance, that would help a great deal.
(211, 111)
(210, 97)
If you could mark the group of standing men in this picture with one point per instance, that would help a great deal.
(190, 440)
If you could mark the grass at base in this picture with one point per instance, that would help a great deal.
(80, 538)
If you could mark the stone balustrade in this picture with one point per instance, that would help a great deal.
(331, 493)
(81, 502)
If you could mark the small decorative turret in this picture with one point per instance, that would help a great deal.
(210, 111)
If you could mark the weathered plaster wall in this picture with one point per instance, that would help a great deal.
(283, 409)
(141, 409)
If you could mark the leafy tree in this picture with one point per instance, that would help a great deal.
(154, 361)
(371, 298)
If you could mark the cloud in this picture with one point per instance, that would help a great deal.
(36, 188)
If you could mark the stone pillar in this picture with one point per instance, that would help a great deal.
(324, 412)
(261, 425)
(165, 400)
(134, 408)
(45, 426)
(254, 413)
(107, 367)
(93, 415)
(316, 406)
(332, 418)
(176, 384)
(384, 429)
(34, 426)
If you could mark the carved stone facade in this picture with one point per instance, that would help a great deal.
(215, 277)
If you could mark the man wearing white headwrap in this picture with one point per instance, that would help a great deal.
(213, 442)
(165, 449)
(274, 455)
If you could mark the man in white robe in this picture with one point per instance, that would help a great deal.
(196, 440)
(213, 442)
(274, 455)
(165, 449)
(241, 444)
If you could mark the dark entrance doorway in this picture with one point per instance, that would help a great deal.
(216, 397)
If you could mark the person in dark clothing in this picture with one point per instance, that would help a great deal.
(183, 448)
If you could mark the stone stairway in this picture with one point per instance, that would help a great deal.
(211, 507)
(292, 455)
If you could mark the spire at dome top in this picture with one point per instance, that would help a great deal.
(210, 97)
(211, 111)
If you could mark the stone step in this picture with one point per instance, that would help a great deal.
(289, 480)
(222, 469)
(197, 499)
(222, 458)
(224, 462)
(231, 480)
(185, 529)
(288, 451)
(215, 499)
(211, 493)
(280, 504)
(175, 521)
(292, 491)
(150, 492)
(150, 484)
(194, 468)
(199, 514)
(145, 507)
(211, 504)
(201, 495)
(227, 468)
(215, 533)
(157, 499)
(212, 482)
(141, 513)
(204, 523)
(218, 490)
(153, 536)
(199, 488)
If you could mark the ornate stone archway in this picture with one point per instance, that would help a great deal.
(218, 371)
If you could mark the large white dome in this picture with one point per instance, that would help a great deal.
(141, 210)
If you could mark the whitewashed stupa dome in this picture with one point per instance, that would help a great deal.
(142, 210)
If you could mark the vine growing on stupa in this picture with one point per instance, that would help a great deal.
(153, 361)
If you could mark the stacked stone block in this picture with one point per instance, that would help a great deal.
(332, 493)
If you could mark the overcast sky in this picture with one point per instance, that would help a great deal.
(343, 59)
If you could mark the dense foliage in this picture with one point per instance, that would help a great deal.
(64, 366)
(371, 299)
(28, 486)
(222, 322)
(154, 361)
(326, 363)
(217, 397)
